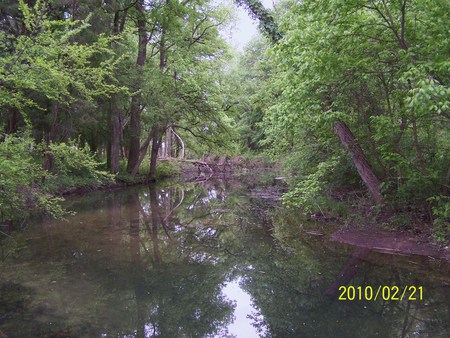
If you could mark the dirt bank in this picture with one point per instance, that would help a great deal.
(391, 242)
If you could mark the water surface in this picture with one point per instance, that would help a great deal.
(204, 260)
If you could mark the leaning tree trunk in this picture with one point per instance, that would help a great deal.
(143, 152)
(360, 161)
(345, 135)
(181, 156)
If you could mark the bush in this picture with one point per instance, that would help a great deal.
(441, 211)
(20, 181)
(75, 166)
(168, 168)
(24, 185)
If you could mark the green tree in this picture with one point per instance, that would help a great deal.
(361, 70)
(182, 79)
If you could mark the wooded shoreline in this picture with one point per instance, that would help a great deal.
(351, 99)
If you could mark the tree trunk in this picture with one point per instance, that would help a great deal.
(181, 156)
(109, 136)
(168, 143)
(154, 153)
(143, 151)
(360, 161)
(13, 114)
(134, 135)
(115, 145)
(113, 150)
(135, 109)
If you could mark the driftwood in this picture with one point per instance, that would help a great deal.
(203, 167)
(194, 162)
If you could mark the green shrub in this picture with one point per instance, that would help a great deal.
(75, 166)
(21, 181)
(441, 211)
(167, 168)
(25, 186)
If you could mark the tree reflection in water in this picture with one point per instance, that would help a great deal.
(154, 261)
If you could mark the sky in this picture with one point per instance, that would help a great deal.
(245, 28)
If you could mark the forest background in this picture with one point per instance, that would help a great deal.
(351, 97)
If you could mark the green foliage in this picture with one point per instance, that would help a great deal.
(401, 221)
(21, 175)
(441, 209)
(250, 93)
(47, 62)
(266, 21)
(75, 166)
(24, 185)
(308, 191)
(383, 70)
(168, 168)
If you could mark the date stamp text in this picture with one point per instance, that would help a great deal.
(386, 293)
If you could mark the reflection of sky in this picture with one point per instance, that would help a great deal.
(245, 28)
(241, 326)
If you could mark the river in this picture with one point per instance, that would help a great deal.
(213, 259)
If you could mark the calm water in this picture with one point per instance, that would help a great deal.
(203, 260)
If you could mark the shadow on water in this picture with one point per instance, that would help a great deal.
(204, 260)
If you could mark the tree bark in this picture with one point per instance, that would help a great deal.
(135, 109)
(154, 153)
(181, 156)
(143, 151)
(115, 145)
(168, 143)
(113, 148)
(13, 114)
(360, 161)
(109, 135)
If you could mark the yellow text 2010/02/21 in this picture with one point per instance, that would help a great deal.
(386, 292)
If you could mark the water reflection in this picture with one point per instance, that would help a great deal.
(244, 312)
(203, 260)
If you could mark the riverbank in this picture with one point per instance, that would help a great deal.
(356, 222)
(255, 171)
(360, 223)
(352, 220)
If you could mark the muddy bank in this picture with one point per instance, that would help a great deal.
(390, 242)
